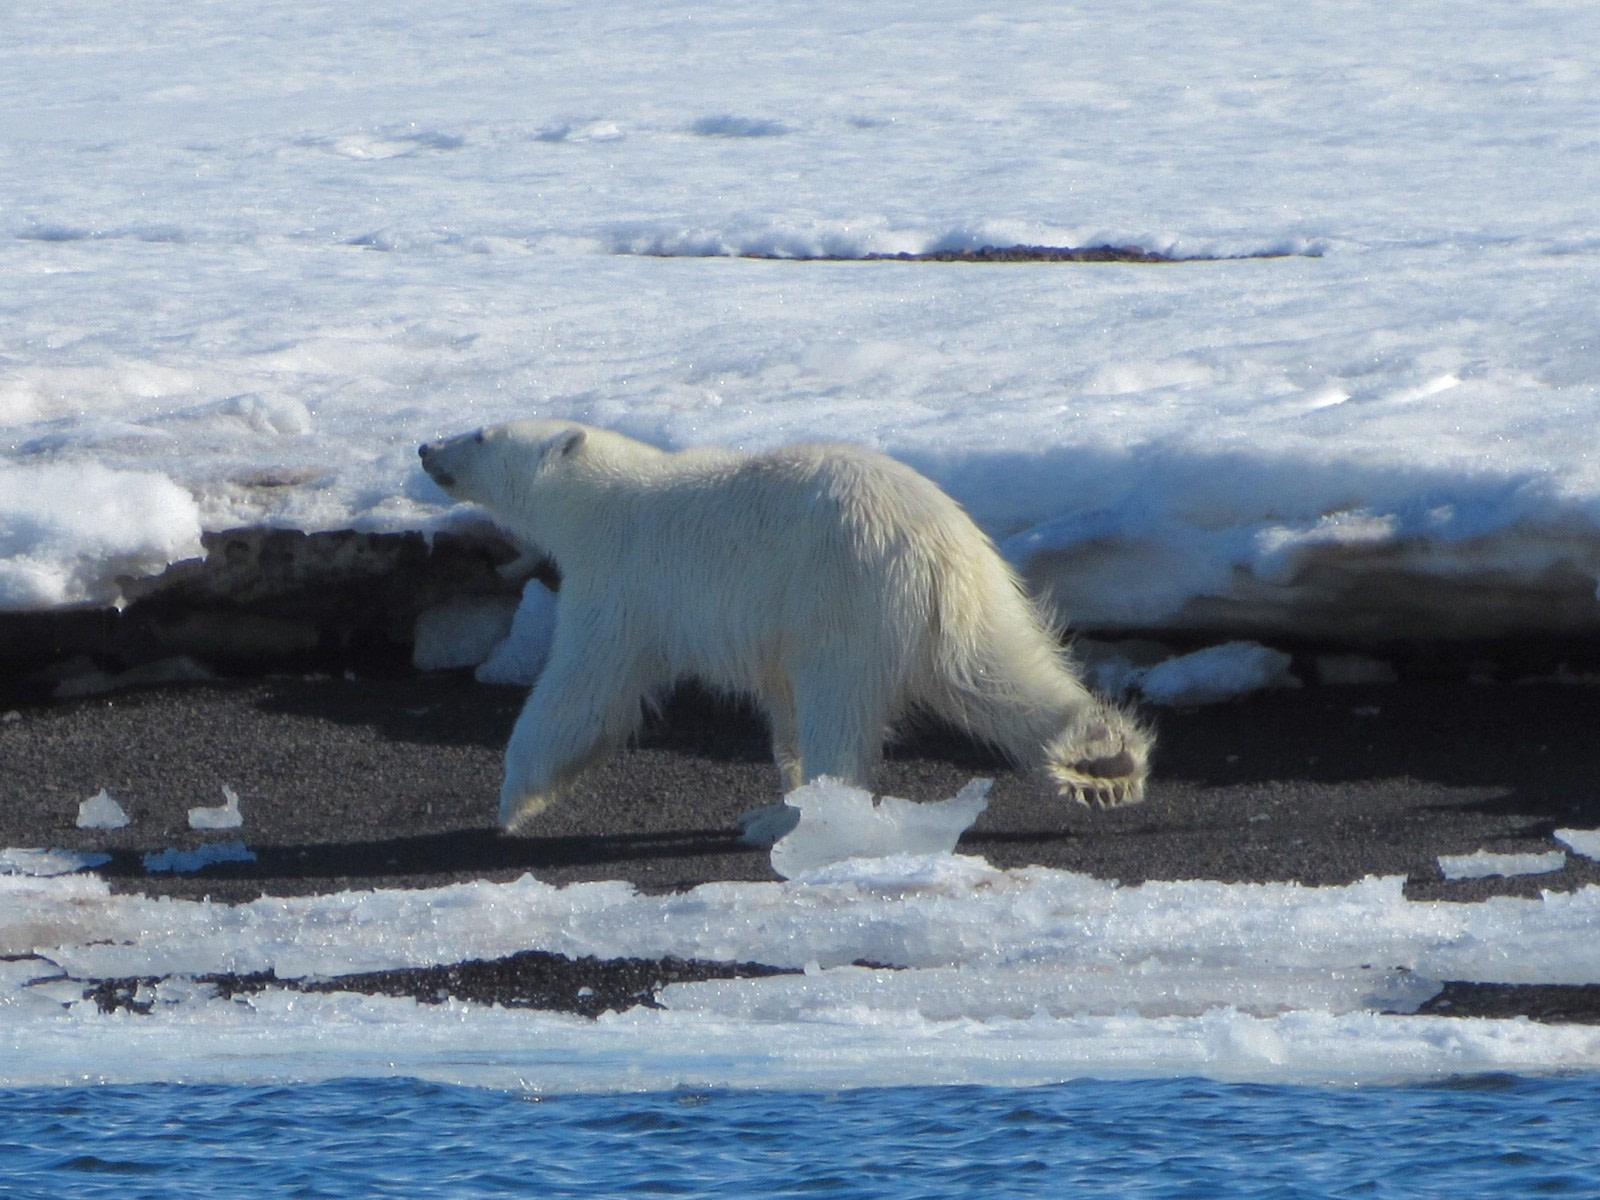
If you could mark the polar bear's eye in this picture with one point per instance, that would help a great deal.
(478, 437)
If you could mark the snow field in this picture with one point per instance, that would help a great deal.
(266, 277)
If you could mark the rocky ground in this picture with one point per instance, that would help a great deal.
(389, 780)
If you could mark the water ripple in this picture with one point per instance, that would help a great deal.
(1163, 1139)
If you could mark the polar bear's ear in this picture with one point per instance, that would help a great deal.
(567, 444)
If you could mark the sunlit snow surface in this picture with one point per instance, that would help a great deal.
(254, 254)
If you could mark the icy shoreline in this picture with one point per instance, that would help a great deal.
(1268, 983)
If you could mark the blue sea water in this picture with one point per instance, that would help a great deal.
(1480, 1137)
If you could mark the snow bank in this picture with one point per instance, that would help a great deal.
(68, 532)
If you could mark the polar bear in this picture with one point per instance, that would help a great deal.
(837, 587)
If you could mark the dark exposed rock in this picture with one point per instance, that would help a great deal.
(531, 979)
(262, 598)
(1016, 254)
(1548, 1003)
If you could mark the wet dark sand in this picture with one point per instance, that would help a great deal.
(391, 782)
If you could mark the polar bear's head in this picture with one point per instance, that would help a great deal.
(497, 466)
(549, 483)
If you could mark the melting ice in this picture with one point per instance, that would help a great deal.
(100, 811)
(837, 823)
(977, 975)
(223, 816)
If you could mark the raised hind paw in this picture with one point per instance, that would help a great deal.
(1105, 765)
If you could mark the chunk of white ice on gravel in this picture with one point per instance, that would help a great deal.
(839, 822)
(100, 811)
(1482, 863)
(1217, 673)
(224, 816)
(1580, 841)
(520, 657)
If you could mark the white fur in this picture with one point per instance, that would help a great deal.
(839, 588)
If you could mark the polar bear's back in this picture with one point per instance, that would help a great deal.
(839, 518)
(813, 551)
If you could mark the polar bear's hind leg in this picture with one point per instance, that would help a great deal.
(1002, 675)
(840, 719)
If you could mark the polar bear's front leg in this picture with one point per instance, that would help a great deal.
(778, 704)
(840, 718)
(583, 707)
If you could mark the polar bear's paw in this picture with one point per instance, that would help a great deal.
(518, 811)
(762, 827)
(1103, 763)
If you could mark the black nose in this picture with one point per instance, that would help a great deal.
(424, 450)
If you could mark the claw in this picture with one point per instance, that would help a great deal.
(1086, 788)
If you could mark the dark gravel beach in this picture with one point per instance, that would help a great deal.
(373, 782)
(392, 782)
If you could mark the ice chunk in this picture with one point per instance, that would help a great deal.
(1115, 668)
(184, 861)
(1217, 673)
(839, 822)
(1483, 863)
(44, 863)
(226, 816)
(521, 656)
(100, 811)
(460, 632)
(1580, 841)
